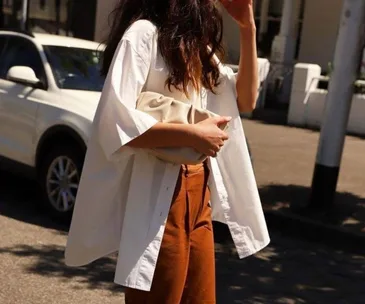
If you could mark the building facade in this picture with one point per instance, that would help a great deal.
(312, 25)
(288, 30)
(64, 17)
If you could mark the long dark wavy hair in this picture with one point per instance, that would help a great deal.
(189, 34)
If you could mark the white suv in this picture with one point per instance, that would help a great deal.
(49, 90)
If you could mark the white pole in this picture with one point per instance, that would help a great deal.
(287, 18)
(296, 17)
(264, 18)
(283, 52)
(24, 15)
(338, 104)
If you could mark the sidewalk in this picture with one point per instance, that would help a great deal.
(284, 159)
(289, 270)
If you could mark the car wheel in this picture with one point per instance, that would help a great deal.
(59, 177)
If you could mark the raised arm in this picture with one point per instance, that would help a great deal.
(247, 78)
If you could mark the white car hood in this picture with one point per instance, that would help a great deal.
(83, 103)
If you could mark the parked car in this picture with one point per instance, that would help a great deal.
(49, 90)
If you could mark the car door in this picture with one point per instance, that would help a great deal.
(19, 102)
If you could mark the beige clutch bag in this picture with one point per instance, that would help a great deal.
(169, 110)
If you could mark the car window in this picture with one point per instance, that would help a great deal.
(75, 68)
(22, 52)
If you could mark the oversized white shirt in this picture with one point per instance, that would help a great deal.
(125, 194)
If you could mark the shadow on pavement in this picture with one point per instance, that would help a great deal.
(348, 211)
(271, 116)
(20, 200)
(49, 261)
(288, 271)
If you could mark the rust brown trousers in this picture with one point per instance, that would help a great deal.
(185, 270)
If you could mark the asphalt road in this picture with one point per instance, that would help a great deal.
(288, 271)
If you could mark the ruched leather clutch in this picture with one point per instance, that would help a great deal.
(169, 110)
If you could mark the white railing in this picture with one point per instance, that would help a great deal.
(307, 102)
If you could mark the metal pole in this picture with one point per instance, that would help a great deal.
(338, 104)
(24, 15)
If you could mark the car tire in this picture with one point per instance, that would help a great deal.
(60, 173)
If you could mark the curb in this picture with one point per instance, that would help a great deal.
(301, 227)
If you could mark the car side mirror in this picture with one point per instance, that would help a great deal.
(24, 75)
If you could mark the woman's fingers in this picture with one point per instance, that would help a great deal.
(213, 152)
(221, 120)
(225, 136)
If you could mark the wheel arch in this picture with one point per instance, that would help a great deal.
(56, 135)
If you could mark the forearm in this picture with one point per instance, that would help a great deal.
(247, 78)
(165, 135)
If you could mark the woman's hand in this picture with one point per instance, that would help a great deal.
(241, 11)
(209, 138)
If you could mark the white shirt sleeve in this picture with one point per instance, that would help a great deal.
(119, 122)
(228, 81)
(224, 102)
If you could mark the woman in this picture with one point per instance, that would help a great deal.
(158, 215)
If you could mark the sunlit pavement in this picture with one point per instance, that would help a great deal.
(288, 271)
